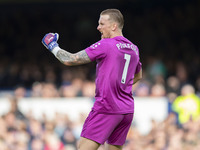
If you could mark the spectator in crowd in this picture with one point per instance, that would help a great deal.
(37, 144)
(36, 89)
(173, 85)
(142, 88)
(182, 73)
(49, 90)
(14, 108)
(52, 142)
(187, 105)
(158, 90)
(68, 91)
(20, 92)
(155, 70)
(88, 89)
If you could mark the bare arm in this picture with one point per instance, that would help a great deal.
(70, 59)
(137, 77)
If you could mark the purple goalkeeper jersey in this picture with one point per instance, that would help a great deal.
(117, 62)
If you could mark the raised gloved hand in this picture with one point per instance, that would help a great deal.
(50, 41)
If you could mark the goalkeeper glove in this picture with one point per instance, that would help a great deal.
(50, 41)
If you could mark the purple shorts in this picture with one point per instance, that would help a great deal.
(112, 128)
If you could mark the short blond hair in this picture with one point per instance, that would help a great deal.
(115, 15)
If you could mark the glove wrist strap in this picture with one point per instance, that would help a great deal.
(55, 50)
(52, 45)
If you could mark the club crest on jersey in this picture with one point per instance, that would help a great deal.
(95, 45)
(129, 46)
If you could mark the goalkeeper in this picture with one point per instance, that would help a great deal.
(118, 68)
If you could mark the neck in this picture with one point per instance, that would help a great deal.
(114, 34)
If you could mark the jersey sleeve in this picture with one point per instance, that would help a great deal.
(97, 51)
(138, 68)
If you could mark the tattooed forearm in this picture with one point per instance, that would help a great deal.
(73, 59)
(64, 56)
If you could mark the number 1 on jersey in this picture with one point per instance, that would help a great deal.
(128, 58)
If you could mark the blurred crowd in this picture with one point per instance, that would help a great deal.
(180, 130)
(168, 39)
(23, 132)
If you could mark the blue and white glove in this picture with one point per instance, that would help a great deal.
(50, 42)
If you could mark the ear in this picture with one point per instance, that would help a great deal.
(114, 26)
